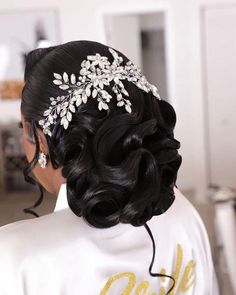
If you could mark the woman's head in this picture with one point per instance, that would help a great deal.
(119, 166)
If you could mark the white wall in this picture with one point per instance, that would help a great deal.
(82, 20)
(220, 44)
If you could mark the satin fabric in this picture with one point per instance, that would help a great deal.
(60, 254)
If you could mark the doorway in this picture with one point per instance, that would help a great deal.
(142, 38)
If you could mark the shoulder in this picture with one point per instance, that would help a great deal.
(182, 221)
(199, 240)
(182, 225)
(182, 209)
(182, 203)
(23, 237)
(32, 246)
(22, 244)
(186, 211)
(185, 226)
(189, 216)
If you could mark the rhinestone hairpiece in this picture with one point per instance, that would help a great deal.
(96, 72)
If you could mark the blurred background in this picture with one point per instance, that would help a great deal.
(187, 48)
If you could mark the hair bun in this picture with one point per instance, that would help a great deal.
(123, 175)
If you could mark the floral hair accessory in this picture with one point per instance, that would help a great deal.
(96, 73)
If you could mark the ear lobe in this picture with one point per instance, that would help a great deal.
(29, 132)
(42, 142)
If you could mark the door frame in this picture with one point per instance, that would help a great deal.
(145, 8)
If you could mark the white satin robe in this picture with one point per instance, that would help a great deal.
(60, 254)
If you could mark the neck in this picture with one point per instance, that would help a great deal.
(58, 180)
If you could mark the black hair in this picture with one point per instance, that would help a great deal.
(119, 167)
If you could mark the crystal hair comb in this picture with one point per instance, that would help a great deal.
(96, 73)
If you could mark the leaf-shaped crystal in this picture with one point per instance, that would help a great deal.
(50, 119)
(88, 91)
(72, 108)
(116, 80)
(113, 52)
(87, 64)
(100, 105)
(69, 116)
(128, 108)
(105, 82)
(104, 93)
(101, 84)
(95, 83)
(73, 79)
(125, 92)
(83, 71)
(63, 112)
(58, 109)
(66, 124)
(78, 101)
(63, 120)
(94, 93)
(65, 104)
(83, 63)
(84, 98)
(64, 87)
(57, 82)
(119, 96)
(47, 112)
(120, 103)
(91, 57)
(80, 91)
(65, 77)
(121, 85)
(105, 106)
(57, 76)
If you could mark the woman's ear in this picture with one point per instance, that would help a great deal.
(42, 142)
(28, 132)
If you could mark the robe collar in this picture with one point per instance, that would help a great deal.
(62, 202)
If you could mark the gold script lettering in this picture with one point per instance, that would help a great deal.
(142, 288)
(186, 282)
(129, 287)
(178, 265)
(188, 277)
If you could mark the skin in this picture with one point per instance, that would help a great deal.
(50, 178)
